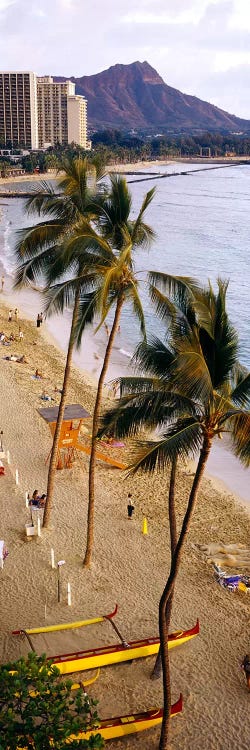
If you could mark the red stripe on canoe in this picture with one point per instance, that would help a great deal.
(118, 647)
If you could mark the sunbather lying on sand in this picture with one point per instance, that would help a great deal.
(230, 561)
(219, 547)
(14, 358)
(45, 397)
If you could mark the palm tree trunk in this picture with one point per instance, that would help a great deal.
(173, 542)
(54, 449)
(165, 598)
(164, 623)
(92, 460)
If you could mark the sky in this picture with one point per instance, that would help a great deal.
(198, 46)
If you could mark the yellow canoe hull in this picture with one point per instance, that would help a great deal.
(108, 655)
(109, 733)
(114, 728)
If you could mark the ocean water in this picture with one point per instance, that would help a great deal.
(202, 223)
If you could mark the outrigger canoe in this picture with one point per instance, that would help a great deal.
(122, 725)
(120, 652)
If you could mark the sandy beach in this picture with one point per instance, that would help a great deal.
(128, 568)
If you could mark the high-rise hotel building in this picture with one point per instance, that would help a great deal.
(37, 112)
(18, 110)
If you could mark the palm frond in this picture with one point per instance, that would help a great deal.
(42, 194)
(35, 269)
(88, 308)
(164, 308)
(85, 238)
(32, 239)
(133, 384)
(179, 442)
(174, 286)
(155, 357)
(241, 437)
(143, 234)
(133, 412)
(61, 296)
(132, 294)
(191, 375)
(220, 345)
(241, 393)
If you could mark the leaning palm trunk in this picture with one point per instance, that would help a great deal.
(173, 542)
(96, 415)
(168, 591)
(55, 445)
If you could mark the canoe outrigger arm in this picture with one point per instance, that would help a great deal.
(66, 625)
(27, 635)
(114, 626)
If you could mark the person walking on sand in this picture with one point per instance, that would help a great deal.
(20, 334)
(10, 316)
(107, 329)
(41, 318)
(131, 507)
(38, 321)
(246, 668)
(16, 313)
(2, 283)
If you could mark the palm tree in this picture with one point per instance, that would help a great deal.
(206, 392)
(116, 284)
(42, 255)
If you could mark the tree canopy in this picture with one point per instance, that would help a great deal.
(38, 709)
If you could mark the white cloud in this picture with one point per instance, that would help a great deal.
(5, 4)
(191, 43)
(240, 18)
(38, 12)
(224, 61)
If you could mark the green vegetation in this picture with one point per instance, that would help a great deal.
(38, 710)
(115, 146)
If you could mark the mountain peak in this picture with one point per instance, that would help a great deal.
(144, 69)
(135, 96)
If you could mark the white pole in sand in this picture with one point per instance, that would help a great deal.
(8, 457)
(27, 499)
(69, 594)
(38, 527)
(17, 477)
(52, 557)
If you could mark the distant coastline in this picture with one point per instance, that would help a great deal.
(128, 167)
